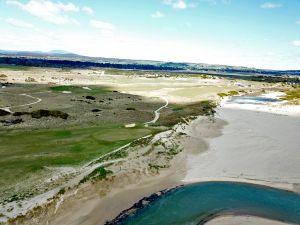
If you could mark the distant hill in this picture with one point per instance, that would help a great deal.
(61, 58)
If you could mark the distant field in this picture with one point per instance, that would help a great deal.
(14, 67)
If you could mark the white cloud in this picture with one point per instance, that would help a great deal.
(270, 5)
(53, 12)
(158, 14)
(20, 24)
(296, 43)
(178, 4)
(87, 10)
(215, 2)
(105, 27)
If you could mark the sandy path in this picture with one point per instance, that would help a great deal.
(37, 100)
(157, 112)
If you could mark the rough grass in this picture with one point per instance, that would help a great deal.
(229, 93)
(98, 174)
(81, 90)
(175, 113)
(25, 153)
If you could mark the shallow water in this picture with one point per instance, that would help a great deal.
(194, 204)
(257, 100)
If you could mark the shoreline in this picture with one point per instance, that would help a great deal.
(209, 220)
(284, 186)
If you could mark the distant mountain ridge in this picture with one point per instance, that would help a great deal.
(61, 58)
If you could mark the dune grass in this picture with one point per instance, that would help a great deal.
(293, 94)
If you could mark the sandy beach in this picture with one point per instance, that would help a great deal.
(255, 146)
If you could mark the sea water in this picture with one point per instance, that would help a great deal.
(197, 203)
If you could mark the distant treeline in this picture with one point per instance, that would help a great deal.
(56, 63)
(185, 68)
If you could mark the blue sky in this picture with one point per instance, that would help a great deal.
(253, 33)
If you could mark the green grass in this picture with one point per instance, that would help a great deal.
(229, 93)
(80, 90)
(24, 153)
(98, 174)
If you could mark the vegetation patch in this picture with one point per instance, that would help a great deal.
(292, 95)
(229, 93)
(30, 79)
(11, 122)
(80, 90)
(21, 113)
(176, 113)
(232, 93)
(3, 77)
(96, 110)
(98, 174)
(222, 95)
(4, 112)
(46, 113)
(90, 97)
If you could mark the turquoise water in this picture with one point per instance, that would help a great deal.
(193, 204)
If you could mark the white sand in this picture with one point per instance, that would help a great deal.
(256, 146)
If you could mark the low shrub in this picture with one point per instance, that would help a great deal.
(4, 112)
(46, 113)
(90, 97)
(20, 113)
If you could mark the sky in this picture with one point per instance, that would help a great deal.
(252, 33)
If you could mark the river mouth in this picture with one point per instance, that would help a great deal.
(200, 202)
